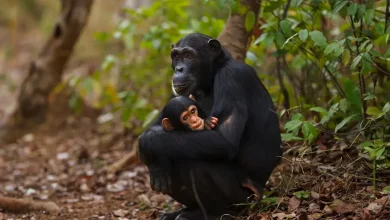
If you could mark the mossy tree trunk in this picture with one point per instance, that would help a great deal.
(46, 70)
(235, 35)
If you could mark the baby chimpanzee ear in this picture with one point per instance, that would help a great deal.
(167, 125)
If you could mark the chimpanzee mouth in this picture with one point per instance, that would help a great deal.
(182, 89)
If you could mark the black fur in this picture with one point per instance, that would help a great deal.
(245, 142)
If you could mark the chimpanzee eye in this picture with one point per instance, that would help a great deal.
(175, 56)
(193, 111)
(185, 118)
(188, 55)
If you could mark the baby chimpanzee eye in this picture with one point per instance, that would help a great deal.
(185, 118)
(193, 111)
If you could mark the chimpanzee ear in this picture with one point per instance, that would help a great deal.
(215, 46)
(167, 124)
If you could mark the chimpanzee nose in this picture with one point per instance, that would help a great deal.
(179, 69)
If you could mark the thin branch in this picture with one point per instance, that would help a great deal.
(387, 14)
(361, 79)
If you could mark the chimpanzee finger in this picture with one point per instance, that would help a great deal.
(209, 124)
(216, 119)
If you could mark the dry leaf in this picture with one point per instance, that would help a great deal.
(293, 204)
(374, 207)
(342, 207)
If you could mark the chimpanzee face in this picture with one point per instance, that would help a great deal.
(192, 62)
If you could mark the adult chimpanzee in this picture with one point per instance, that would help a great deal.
(203, 169)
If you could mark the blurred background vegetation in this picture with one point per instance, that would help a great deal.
(326, 63)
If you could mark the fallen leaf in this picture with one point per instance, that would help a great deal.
(119, 213)
(314, 195)
(314, 207)
(282, 215)
(293, 204)
(342, 207)
(374, 207)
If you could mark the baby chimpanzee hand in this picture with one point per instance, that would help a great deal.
(210, 123)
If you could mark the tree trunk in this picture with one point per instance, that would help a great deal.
(46, 71)
(234, 36)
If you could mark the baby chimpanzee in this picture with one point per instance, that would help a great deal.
(183, 113)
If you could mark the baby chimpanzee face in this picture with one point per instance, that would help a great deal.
(181, 113)
(191, 119)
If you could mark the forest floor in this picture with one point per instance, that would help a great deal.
(64, 160)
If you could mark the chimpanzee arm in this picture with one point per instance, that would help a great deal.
(230, 108)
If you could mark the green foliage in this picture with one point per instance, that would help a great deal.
(302, 194)
(334, 62)
(339, 49)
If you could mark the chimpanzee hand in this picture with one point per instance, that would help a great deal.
(210, 123)
(160, 179)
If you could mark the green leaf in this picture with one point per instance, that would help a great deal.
(286, 137)
(318, 38)
(386, 108)
(386, 190)
(331, 47)
(369, 16)
(352, 9)
(303, 34)
(344, 105)
(361, 11)
(269, 39)
(309, 131)
(108, 63)
(343, 122)
(272, 5)
(356, 61)
(249, 20)
(374, 111)
(292, 125)
(279, 40)
(302, 194)
(339, 6)
(285, 26)
(369, 96)
(366, 63)
(353, 95)
(319, 109)
(346, 57)
(150, 117)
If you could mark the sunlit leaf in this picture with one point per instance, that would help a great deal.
(292, 125)
(319, 109)
(339, 6)
(249, 20)
(343, 123)
(303, 34)
(356, 61)
(285, 26)
(309, 131)
(150, 117)
(346, 57)
(318, 38)
(374, 111)
(352, 9)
